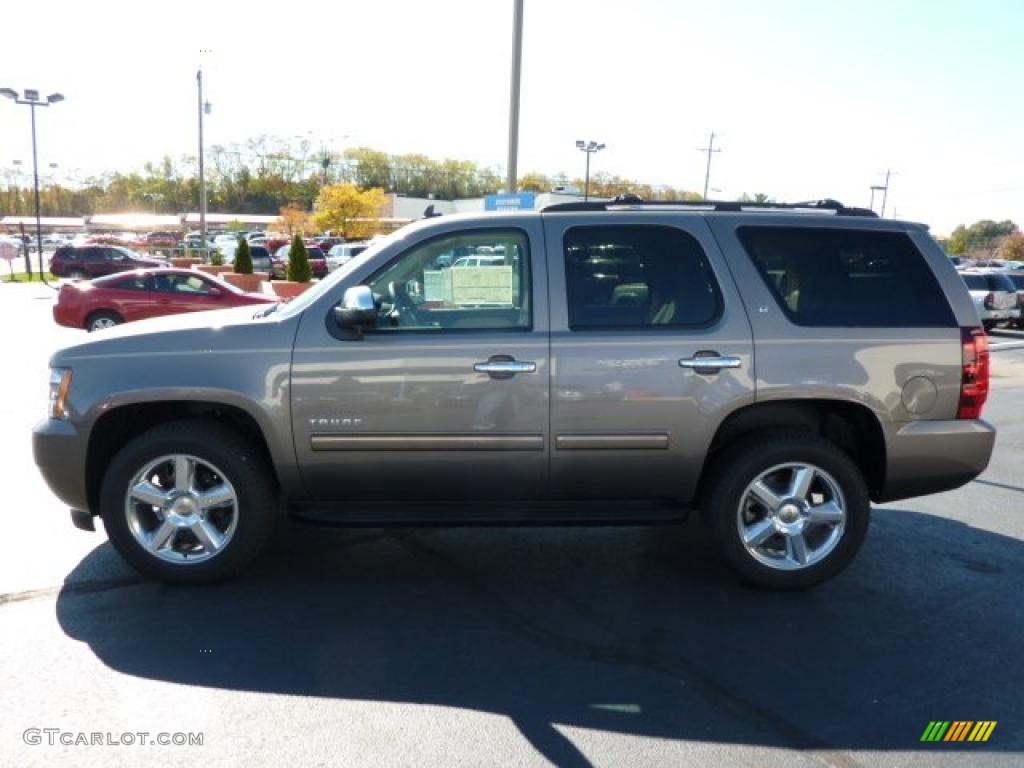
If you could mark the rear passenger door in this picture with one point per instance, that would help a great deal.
(650, 350)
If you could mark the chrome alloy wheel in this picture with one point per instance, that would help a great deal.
(791, 516)
(103, 322)
(181, 509)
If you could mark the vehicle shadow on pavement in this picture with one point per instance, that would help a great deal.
(637, 630)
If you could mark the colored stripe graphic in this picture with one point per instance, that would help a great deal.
(958, 730)
(935, 730)
(982, 730)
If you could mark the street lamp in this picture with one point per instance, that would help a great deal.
(590, 147)
(31, 99)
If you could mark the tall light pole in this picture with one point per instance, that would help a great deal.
(204, 108)
(32, 100)
(590, 147)
(710, 150)
(513, 110)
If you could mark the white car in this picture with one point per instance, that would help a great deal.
(343, 253)
(994, 296)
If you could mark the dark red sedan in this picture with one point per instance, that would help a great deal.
(121, 298)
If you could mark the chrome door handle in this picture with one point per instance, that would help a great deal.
(710, 363)
(508, 367)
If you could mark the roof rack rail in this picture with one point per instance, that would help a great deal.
(633, 202)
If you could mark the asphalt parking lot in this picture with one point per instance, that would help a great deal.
(568, 646)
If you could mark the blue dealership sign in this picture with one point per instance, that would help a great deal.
(519, 201)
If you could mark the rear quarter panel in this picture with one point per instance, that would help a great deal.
(870, 366)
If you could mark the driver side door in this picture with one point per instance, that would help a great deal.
(446, 397)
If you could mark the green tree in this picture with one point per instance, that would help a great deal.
(299, 270)
(243, 258)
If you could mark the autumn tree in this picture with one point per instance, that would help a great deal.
(1012, 248)
(293, 220)
(534, 182)
(350, 212)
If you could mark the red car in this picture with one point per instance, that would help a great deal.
(121, 298)
(317, 262)
(97, 260)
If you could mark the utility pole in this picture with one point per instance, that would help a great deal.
(885, 190)
(511, 183)
(709, 149)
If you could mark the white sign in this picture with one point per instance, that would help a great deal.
(482, 285)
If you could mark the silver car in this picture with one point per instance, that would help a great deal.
(343, 253)
(994, 296)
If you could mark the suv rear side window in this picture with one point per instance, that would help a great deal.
(638, 276)
(847, 277)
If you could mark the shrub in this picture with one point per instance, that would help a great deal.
(216, 258)
(243, 259)
(299, 270)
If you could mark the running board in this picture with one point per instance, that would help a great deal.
(370, 513)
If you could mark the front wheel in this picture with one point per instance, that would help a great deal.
(188, 502)
(787, 511)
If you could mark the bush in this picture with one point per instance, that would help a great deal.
(243, 259)
(217, 258)
(299, 270)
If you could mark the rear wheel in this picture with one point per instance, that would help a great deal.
(97, 321)
(188, 502)
(787, 511)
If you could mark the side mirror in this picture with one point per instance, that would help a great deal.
(356, 311)
(215, 292)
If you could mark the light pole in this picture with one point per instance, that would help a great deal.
(513, 110)
(204, 108)
(590, 147)
(32, 100)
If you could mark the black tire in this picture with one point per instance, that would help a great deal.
(102, 319)
(737, 467)
(241, 464)
(989, 324)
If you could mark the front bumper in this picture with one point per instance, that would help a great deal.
(925, 457)
(59, 452)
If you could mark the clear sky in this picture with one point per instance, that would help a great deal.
(809, 99)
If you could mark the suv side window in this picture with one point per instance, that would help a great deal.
(423, 290)
(638, 276)
(847, 277)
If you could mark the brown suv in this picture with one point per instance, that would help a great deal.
(775, 367)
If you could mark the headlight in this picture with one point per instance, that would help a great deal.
(60, 384)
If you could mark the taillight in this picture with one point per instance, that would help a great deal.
(990, 301)
(974, 376)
